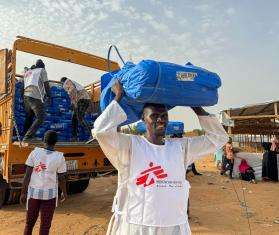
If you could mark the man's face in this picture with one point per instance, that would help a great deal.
(156, 120)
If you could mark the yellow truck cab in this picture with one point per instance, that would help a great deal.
(83, 160)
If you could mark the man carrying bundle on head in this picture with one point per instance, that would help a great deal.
(152, 191)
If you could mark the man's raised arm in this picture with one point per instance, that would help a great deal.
(105, 128)
(215, 137)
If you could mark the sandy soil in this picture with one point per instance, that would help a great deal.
(214, 207)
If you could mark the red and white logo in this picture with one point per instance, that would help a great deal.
(146, 177)
(40, 167)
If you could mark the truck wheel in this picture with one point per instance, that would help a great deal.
(13, 193)
(2, 197)
(77, 186)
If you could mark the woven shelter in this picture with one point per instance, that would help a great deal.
(257, 119)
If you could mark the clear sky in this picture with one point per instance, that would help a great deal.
(237, 39)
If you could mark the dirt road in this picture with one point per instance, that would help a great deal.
(214, 207)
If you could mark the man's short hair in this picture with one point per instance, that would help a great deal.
(63, 79)
(40, 64)
(153, 105)
(50, 137)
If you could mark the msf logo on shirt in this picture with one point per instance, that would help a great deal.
(147, 177)
(40, 167)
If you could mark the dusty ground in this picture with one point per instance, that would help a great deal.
(214, 209)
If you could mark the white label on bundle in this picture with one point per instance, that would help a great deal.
(185, 76)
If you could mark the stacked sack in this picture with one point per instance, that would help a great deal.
(19, 112)
(58, 115)
(83, 134)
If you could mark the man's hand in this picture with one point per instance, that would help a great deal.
(62, 185)
(64, 197)
(23, 198)
(200, 111)
(117, 90)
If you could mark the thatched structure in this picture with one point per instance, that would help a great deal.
(257, 119)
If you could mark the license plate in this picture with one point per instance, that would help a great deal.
(71, 165)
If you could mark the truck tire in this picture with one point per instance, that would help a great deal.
(13, 193)
(2, 197)
(78, 186)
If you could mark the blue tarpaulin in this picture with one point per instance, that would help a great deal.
(58, 115)
(172, 128)
(161, 82)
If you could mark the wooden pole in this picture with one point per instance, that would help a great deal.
(229, 128)
(254, 117)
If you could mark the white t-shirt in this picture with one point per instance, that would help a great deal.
(46, 164)
(158, 191)
(119, 148)
(34, 83)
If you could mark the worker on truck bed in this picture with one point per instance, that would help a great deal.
(152, 193)
(80, 100)
(45, 169)
(36, 90)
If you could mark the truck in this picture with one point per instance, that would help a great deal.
(83, 160)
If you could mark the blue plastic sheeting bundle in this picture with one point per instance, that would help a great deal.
(58, 116)
(19, 112)
(161, 82)
(172, 128)
(105, 79)
(83, 133)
